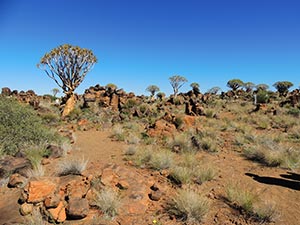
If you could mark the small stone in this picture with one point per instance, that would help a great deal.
(123, 184)
(58, 213)
(26, 209)
(155, 195)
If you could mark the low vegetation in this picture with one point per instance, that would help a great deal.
(21, 128)
(189, 206)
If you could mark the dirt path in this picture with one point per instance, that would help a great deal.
(273, 185)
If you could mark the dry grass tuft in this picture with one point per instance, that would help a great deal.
(189, 206)
(72, 167)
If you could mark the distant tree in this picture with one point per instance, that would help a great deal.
(262, 87)
(152, 89)
(111, 85)
(283, 87)
(248, 86)
(160, 95)
(110, 88)
(55, 91)
(68, 65)
(196, 88)
(235, 84)
(176, 82)
(213, 90)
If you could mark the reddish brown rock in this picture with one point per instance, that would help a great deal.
(109, 177)
(52, 201)
(162, 128)
(155, 195)
(58, 213)
(78, 208)
(39, 190)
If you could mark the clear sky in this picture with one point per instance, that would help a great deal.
(143, 42)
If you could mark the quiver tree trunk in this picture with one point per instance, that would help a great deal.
(69, 101)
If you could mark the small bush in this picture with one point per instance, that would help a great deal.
(118, 132)
(294, 112)
(262, 96)
(35, 155)
(72, 167)
(204, 173)
(181, 175)
(20, 127)
(189, 206)
(36, 172)
(182, 142)
(131, 150)
(108, 201)
(241, 197)
(142, 157)
(161, 160)
(266, 213)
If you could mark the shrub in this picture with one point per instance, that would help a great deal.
(131, 150)
(118, 132)
(294, 112)
(161, 160)
(142, 157)
(241, 197)
(266, 213)
(72, 166)
(189, 206)
(20, 127)
(181, 175)
(108, 201)
(182, 142)
(262, 96)
(204, 173)
(35, 155)
(36, 172)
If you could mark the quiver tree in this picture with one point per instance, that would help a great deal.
(283, 87)
(196, 88)
(235, 84)
(213, 90)
(176, 82)
(152, 89)
(67, 65)
(249, 86)
(55, 91)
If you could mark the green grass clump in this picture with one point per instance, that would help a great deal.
(20, 127)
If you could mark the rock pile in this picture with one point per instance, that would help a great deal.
(28, 97)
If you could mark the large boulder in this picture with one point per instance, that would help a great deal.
(38, 190)
(77, 208)
(10, 165)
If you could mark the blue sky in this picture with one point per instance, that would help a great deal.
(143, 42)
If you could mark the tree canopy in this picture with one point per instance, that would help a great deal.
(67, 65)
(177, 82)
(235, 84)
(152, 89)
(283, 86)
